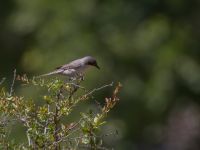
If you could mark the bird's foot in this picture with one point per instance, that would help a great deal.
(71, 79)
(82, 78)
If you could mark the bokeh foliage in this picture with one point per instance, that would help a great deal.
(152, 47)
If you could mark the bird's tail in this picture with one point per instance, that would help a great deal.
(50, 73)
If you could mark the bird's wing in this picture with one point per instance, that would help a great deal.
(72, 65)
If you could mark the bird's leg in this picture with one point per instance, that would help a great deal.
(81, 77)
(72, 80)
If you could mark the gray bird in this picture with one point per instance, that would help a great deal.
(75, 68)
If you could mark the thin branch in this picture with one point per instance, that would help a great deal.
(57, 119)
(89, 93)
(75, 125)
(28, 137)
(97, 89)
(2, 80)
(76, 85)
(98, 105)
(62, 139)
(13, 83)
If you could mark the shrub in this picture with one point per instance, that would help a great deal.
(44, 124)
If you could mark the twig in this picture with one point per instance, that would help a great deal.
(73, 131)
(66, 137)
(13, 83)
(57, 119)
(98, 105)
(87, 94)
(76, 85)
(2, 80)
(28, 137)
(75, 125)
(97, 89)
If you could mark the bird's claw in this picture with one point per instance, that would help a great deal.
(82, 78)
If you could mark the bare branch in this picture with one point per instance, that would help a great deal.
(76, 85)
(13, 83)
(97, 89)
(2, 80)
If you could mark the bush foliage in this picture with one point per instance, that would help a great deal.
(45, 124)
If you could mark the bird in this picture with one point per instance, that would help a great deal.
(75, 68)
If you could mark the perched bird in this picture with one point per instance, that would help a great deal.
(75, 68)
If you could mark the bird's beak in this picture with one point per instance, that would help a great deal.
(97, 66)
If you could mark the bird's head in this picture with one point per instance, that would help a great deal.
(91, 61)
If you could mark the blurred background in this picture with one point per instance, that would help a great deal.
(151, 47)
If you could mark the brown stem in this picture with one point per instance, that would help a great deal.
(57, 120)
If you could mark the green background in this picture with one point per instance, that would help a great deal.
(152, 47)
